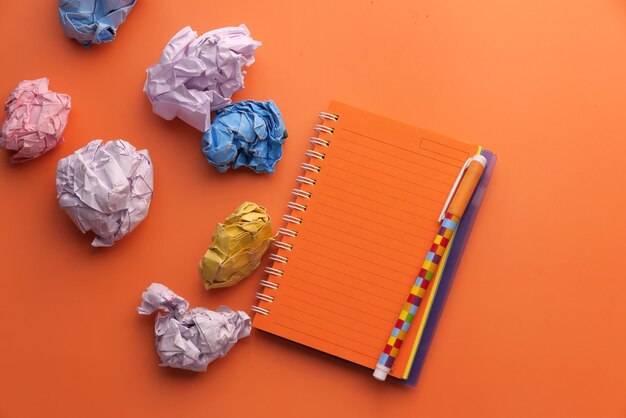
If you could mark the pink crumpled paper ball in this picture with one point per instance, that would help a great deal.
(36, 119)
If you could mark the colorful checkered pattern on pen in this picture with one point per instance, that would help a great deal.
(413, 301)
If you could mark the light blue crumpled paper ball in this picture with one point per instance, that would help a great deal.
(246, 133)
(93, 21)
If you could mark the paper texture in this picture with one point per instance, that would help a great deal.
(191, 339)
(246, 134)
(93, 21)
(106, 188)
(199, 74)
(36, 119)
(237, 246)
(368, 225)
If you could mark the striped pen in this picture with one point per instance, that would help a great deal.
(450, 217)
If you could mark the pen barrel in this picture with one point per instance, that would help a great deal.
(427, 272)
(466, 188)
(449, 222)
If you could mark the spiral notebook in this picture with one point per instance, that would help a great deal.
(363, 217)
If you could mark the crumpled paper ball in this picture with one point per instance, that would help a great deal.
(247, 133)
(191, 339)
(36, 119)
(237, 246)
(105, 188)
(93, 21)
(199, 74)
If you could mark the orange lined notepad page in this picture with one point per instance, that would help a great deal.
(368, 224)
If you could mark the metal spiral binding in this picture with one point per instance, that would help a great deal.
(319, 141)
(269, 284)
(306, 180)
(315, 154)
(296, 206)
(273, 271)
(265, 297)
(289, 233)
(279, 258)
(292, 219)
(310, 167)
(260, 310)
(329, 116)
(325, 129)
(301, 193)
(283, 245)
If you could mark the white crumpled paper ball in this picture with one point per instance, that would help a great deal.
(105, 188)
(199, 74)
(191, 338)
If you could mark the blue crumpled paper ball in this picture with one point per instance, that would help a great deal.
(93, 21)
(246, 133)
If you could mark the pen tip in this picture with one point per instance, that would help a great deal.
(380, 373)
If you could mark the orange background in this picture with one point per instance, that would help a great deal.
(536, 321)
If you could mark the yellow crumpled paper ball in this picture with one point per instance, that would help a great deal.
(237, 247)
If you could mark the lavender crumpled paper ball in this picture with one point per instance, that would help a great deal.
(106, 188)
(36, 119)
(247, 133)
(191, 338)
(93, 21)
(199, 74)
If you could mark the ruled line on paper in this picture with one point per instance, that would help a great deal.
(380, 141)
(337, 145)
(410, 243)
(394, 196)
(411, 277)
(361, 238)
(420, 184)
(390, 320)
(461, 158)
(370, 196)
(380, 202)
(361, 342)
(385, 215)
(359, 258)
(368, 250)
(370, 285)
(380, 336)
(428, 241)
(378, 284)
(324, 340)
(382, 329)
